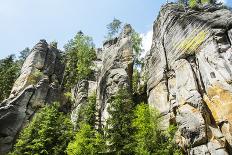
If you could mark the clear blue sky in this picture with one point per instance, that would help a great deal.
(24, 22)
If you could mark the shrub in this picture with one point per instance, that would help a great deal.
(35, 77)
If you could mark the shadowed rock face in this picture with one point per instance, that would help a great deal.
(189, 71)
(38, 84)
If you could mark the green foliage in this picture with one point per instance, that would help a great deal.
(54, 44)
(148, 137)
(35, 77)
(113, 28)
(79, 56)
(119, 128)
(9, 71)
(193, 3)
(68, 96)
(136, 43)
(166, 144)
(24, 54)
(135, 80)
(88, 110)
(87, 142)
(146, 123)
(48, 133)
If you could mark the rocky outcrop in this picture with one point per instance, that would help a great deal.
(112, 70)
(189, 76)
(85, 88)
(116, 71)
(38, 84)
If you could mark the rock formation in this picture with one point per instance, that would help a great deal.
(116, 71)
(112, 70)
(189, 76)
(38, 84)
(188, 72)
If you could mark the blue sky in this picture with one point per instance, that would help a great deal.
(24, 22)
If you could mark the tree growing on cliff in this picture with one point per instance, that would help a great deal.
(148, 136)
(194, 3)
(79, 58)
(9, 71)
(24, 54)
(119, 128)
(48, 133)
(113, 28)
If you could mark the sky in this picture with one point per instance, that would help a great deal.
(24, 22)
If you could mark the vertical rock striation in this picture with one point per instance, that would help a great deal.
(112, 70)
(39, 84)
(189, 71)
(116, 72)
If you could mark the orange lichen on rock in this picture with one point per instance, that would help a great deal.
(219, 101)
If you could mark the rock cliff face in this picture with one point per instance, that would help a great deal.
(39, 83)
(116, 71)
(188, 72)
(189, 76)
(112, 70)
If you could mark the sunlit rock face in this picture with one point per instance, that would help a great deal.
(38, 84)
(112, 70)
(116, 71)
(189, 72)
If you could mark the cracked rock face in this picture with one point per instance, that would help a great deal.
(112, 70)
(189, 71)
(116, 71)
(38, 84)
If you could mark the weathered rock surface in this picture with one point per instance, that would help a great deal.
(38, 84)
(116, 71)
(189, 76)
(112, 70)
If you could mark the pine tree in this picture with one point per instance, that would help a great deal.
(79, 57)
(119, 128)
(9, 71)
(87, 142)
(113, 28)
(148, 136)
(48, 133)
(146, 123)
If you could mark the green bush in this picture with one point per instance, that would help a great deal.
(35, 77)
(48, 133)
